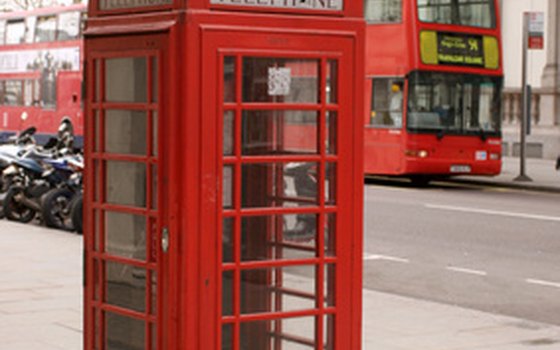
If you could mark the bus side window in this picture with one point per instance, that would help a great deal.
(28, 93)
(68, 26)
(83, 19)
(45, 29)
(13, 93)
(15, 31)
(387, 102)
(383, 11)
(30, 29)
(2, 32)
(36, 93)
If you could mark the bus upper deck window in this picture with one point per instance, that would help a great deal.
(2, 32)
(45, 29)
(68, 26)
(383, 11)
(15, 31)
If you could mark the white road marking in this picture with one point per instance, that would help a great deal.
(543, 283)
(465, 270)
(494, 212)
(385, 257)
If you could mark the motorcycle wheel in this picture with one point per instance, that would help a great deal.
(13, 209)
(2, 196)
(76, 214)
(56, 209)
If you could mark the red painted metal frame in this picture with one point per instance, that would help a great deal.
(393, 50)
(95, 204)
(237, 161)
(190, 138)
(237, 45)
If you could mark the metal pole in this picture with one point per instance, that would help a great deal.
(522, 173)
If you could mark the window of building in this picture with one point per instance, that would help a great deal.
(474, 13)
(45, 29)
(383, 11)
(68, 26)
(15, 32)
(387, 102)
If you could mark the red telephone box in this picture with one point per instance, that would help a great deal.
(223, 192)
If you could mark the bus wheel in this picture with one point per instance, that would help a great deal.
(420, 180)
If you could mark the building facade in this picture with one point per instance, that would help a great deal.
(543, 76)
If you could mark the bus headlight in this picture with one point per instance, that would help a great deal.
(418, 153)
(495, 156)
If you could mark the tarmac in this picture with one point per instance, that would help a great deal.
(41, 294)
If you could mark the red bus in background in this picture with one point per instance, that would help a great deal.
(433, 87)
(41, 70)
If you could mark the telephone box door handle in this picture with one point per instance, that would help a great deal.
(165, 240)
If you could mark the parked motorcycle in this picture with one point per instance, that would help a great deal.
(9, 152)
(34, 173)
(59, 202)
(23, 197)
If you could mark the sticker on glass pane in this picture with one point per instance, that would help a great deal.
(279, 81)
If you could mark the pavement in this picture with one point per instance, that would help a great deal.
(543, 175)
(41, 295)
(40, 288)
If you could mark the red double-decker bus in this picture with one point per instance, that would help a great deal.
(41, 70)
(434, 80)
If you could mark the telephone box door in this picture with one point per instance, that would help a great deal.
(125, 202)
(283, 134)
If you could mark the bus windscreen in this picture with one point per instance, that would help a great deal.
(460, 104)
(472, 13)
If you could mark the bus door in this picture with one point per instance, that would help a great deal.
(385, 120)
(283, 268)
(125, 206)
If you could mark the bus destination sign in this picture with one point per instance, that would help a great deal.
(318, 5)
(108, 5)
(457, 49)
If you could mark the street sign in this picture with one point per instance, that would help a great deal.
(535, 30)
